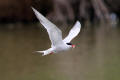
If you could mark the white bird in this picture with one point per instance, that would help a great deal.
(57, 43)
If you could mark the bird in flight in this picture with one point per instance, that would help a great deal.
(57, 43)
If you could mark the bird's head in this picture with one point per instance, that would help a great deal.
(71, 45)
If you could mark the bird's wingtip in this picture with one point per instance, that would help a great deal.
(77, 21)
(33, 8)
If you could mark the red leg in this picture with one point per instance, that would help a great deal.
(51, 53)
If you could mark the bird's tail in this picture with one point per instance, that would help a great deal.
(43, 52)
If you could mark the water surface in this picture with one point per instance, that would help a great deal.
(96, 57)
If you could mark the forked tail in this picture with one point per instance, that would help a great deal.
(42, 52)
(45, 52)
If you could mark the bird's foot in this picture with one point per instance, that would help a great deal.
(51, 53)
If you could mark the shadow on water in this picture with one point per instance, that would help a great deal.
(96, 56)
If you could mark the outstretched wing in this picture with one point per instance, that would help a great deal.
(73, 32)
(54, 33)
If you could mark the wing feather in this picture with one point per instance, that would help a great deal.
(73, 32)
(55, 33)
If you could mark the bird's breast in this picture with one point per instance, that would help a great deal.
(61, 48)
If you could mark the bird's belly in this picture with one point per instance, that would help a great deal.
(60, 49)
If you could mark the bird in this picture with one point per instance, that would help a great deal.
(55, 34)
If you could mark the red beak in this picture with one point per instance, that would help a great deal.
(73, 46)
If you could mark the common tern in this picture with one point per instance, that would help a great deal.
(57, 43)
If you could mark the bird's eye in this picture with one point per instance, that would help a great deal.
(68, 43)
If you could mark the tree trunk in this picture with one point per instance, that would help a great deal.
(60, 10)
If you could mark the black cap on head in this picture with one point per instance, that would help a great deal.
(68, 43)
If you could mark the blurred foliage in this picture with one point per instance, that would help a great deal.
(63, 11)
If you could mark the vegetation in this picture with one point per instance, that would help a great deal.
(61, 10)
